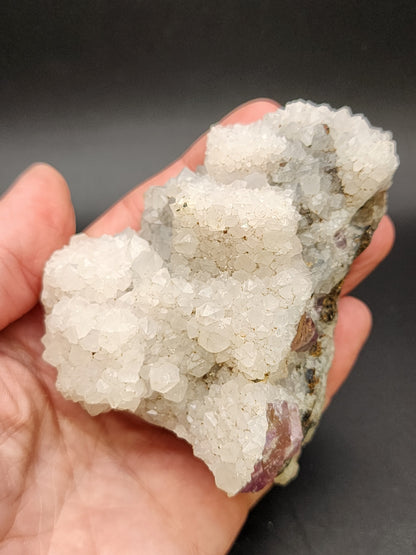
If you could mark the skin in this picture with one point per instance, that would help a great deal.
(110, 484)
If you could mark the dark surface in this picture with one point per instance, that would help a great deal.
(111, 92)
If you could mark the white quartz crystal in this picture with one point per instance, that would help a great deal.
(216, 321)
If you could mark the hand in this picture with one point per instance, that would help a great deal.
(110, 484)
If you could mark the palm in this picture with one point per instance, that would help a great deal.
(110, 484)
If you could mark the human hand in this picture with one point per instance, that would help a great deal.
(71, 483)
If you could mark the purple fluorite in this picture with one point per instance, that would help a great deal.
(283, 441)
(306, 335)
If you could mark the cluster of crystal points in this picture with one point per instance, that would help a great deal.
(216, 320)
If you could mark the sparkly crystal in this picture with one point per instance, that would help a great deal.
(217, 320)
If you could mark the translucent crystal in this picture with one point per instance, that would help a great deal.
(217, 320)
(163, 376)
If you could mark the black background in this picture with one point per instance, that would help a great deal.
(111, 92)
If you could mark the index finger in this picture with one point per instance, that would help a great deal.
(127, 211)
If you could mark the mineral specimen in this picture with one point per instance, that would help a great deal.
(216, 320)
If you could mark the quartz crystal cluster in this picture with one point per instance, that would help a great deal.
(216, 320)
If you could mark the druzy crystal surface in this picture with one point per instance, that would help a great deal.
(216, 320)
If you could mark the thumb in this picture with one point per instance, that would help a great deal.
(36, 218)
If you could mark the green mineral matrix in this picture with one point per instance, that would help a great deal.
(216, 320)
